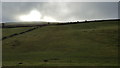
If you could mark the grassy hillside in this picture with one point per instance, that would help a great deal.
(9, 31)
(85, 44)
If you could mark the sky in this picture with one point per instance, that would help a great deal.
(60, 0)
(58, 11)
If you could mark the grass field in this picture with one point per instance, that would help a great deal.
(85, 44)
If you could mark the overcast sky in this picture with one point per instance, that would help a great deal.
(61, 11)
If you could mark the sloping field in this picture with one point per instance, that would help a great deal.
(85, 44)
(9, 31)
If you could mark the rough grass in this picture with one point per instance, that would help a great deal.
(85, 44)
(10, 31)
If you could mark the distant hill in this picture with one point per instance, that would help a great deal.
(84, 44)
(43, 23)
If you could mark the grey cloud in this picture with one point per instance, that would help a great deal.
(0, 12)
(62, 11)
